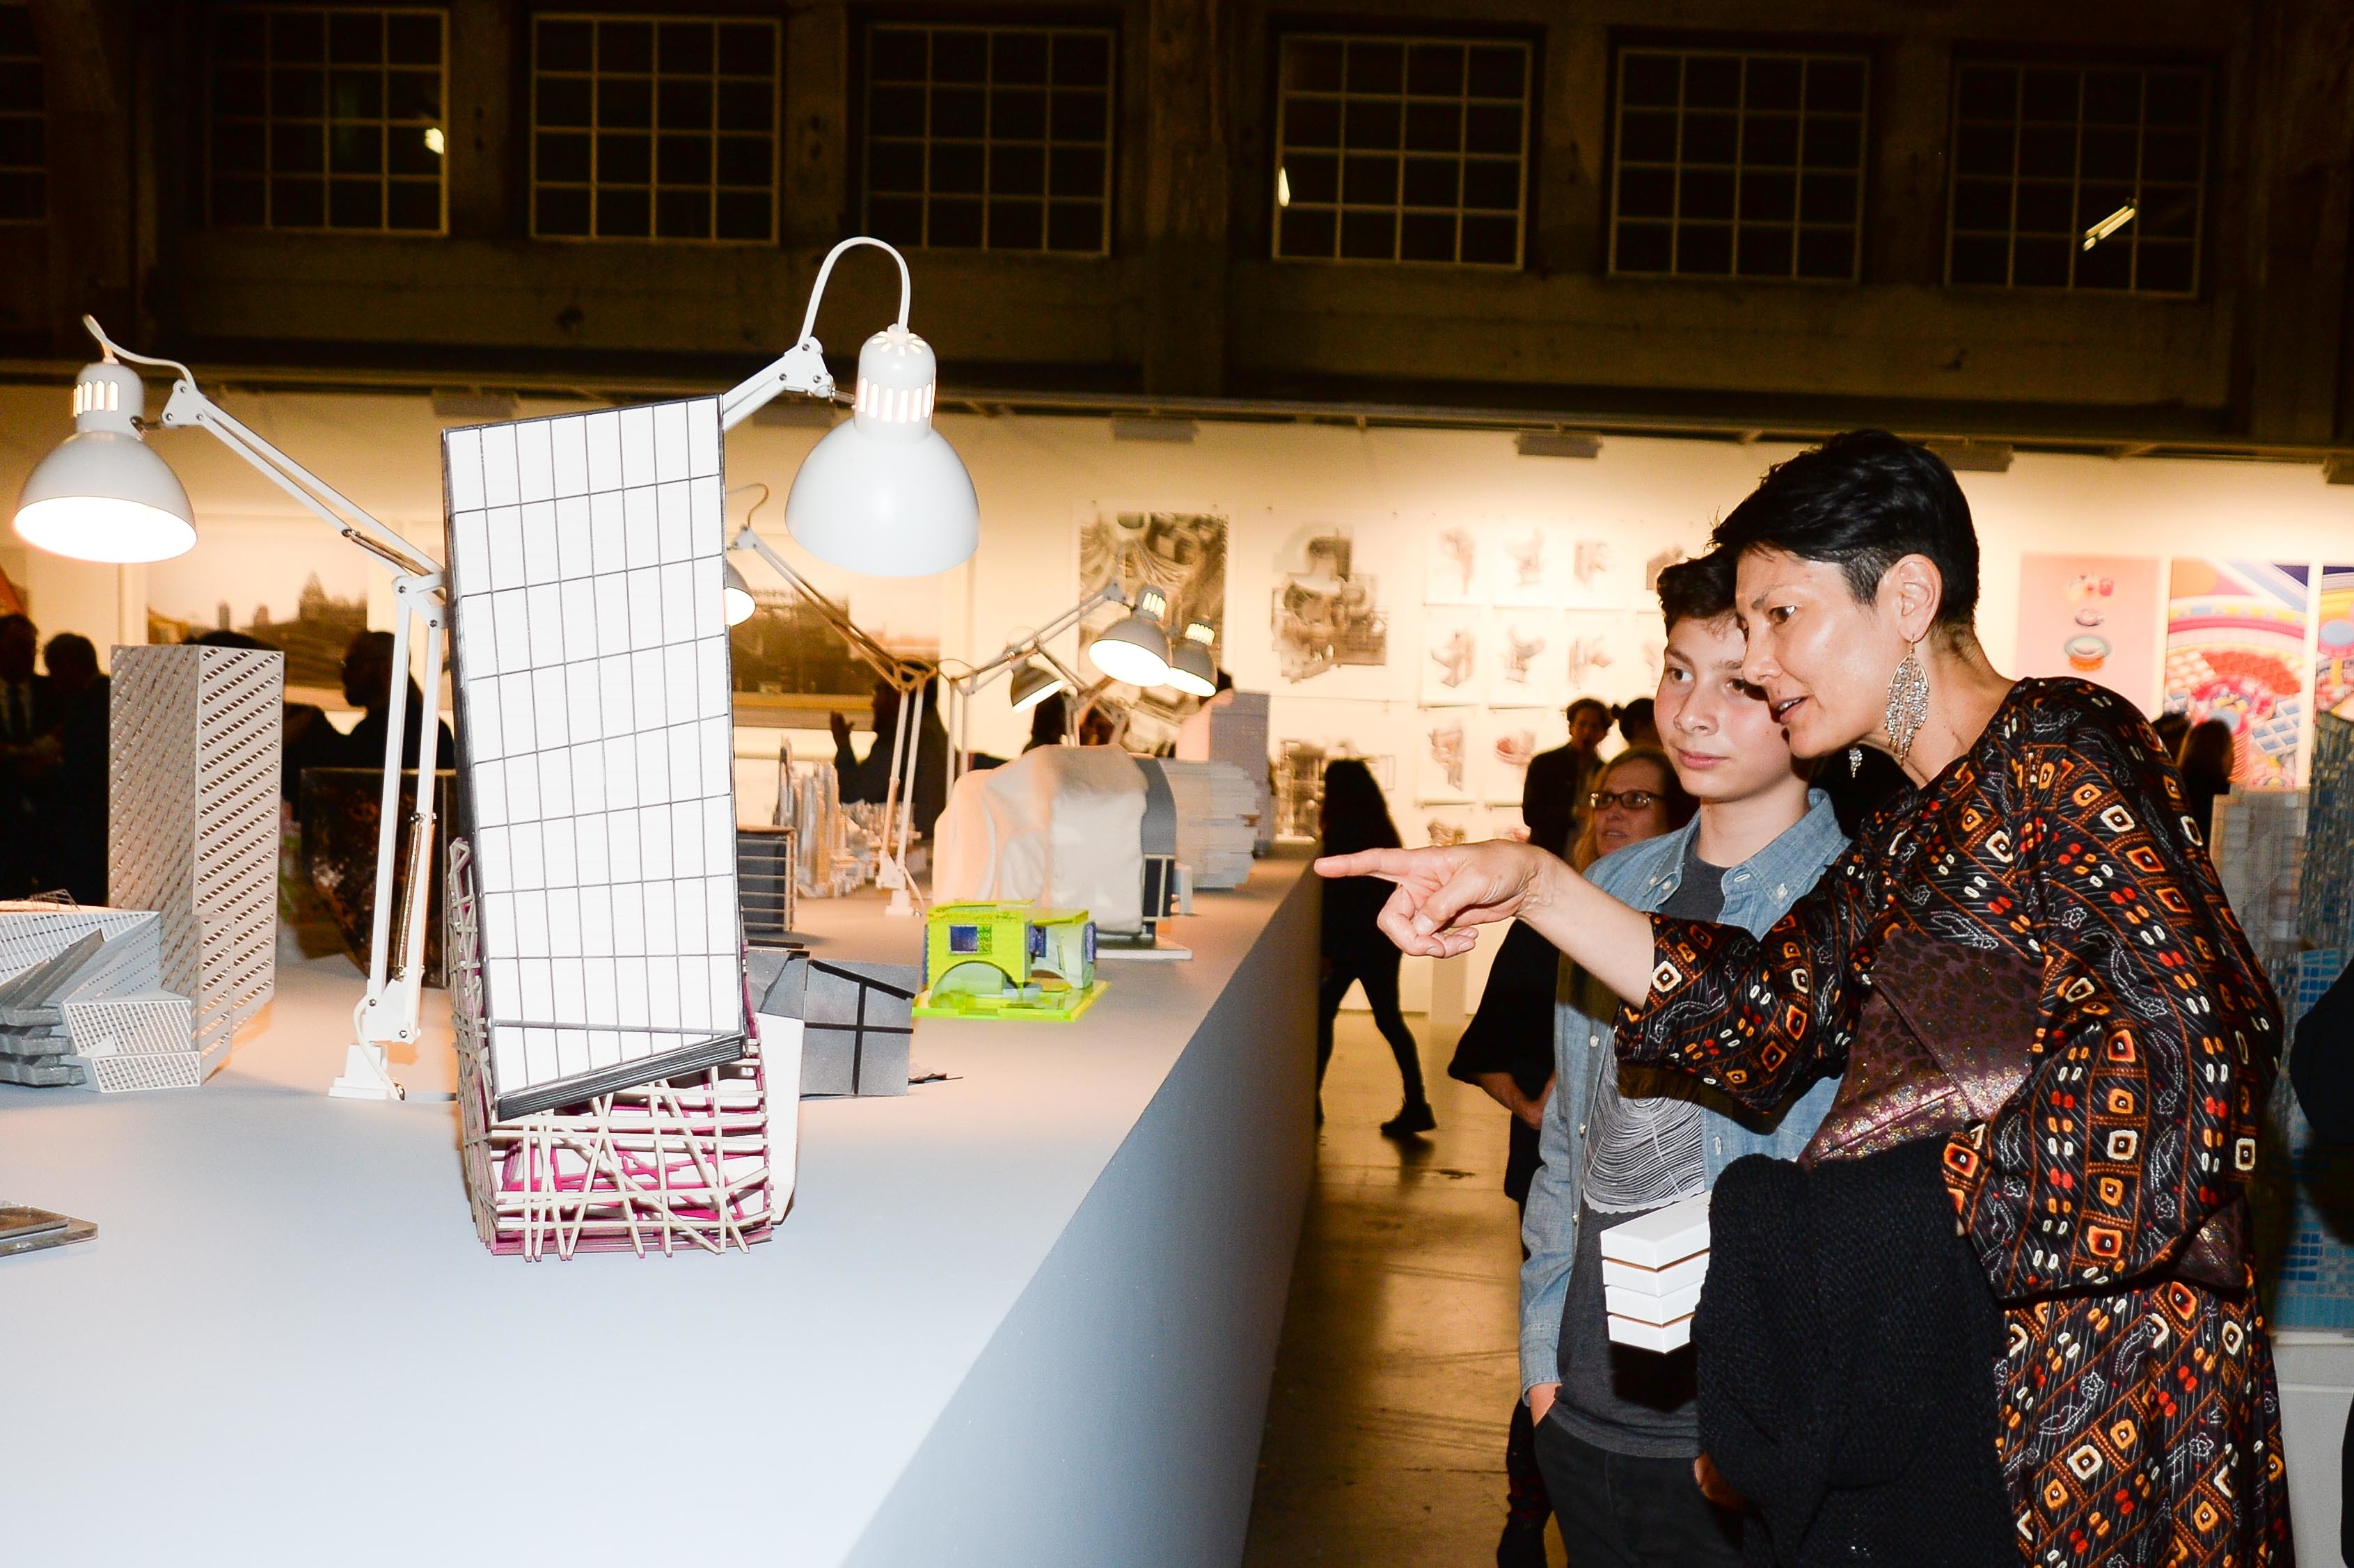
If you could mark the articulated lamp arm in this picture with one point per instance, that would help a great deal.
(801, 368)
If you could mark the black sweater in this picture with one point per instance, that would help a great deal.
(1846, 1343)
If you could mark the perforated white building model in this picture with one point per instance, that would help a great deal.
(192, 829)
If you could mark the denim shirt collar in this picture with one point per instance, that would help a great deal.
(1756, 892)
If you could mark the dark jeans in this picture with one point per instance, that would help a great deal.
(1617, 1512)
(1380, 972)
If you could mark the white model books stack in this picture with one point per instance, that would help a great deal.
(1217, 807)
(1231, 727)
(1652, 1267)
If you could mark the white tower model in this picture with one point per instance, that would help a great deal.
(193, 824)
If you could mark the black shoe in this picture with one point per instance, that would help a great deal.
(1413, 1118)
(1524, 1546)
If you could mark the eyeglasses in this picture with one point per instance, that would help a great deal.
(1633, 799)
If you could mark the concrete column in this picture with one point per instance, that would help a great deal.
(487, 105)
(1905, 200)
(1185, 200)
(1569, 184)
(2301, 162)
(86, 59)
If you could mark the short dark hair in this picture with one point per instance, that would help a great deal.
(77, 650)
(1596, 703)
(1862, 501)
(1697, 589)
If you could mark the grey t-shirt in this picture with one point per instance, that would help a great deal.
(1616, 1397)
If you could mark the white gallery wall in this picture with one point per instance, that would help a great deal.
(1390, 491)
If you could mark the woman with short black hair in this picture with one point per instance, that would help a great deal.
(2097, 1154)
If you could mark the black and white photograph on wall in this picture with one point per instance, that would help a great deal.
(279, 580)
(1326, 615)
(1298, 776)
(1182, 554)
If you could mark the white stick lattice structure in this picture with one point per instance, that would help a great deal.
(192, 826)
(679, 1164)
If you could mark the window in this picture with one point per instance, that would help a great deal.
(1402, 150)
(990, 138)
(24, 129)
(655, 128)
(1738, 163)
(326, 117)
(2077, 177)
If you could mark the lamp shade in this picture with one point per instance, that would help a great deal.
(104, 494)
(736, 594)
(883, 492)
(1191, 669)
(1032, 685)
(1135, 648)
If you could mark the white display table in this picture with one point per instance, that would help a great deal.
(1025, 1316)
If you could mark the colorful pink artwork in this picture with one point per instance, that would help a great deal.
(2333, 654)
(2235, 650)
(2094, 617)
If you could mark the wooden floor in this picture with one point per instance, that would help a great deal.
(1384, 1437)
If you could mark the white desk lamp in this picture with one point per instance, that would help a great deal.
(1036, 676)
(105, 495)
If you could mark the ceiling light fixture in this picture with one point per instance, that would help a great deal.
(2110, 224)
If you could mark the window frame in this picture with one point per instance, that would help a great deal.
(1524, 157)
(863, 90)
(2203, 137)
(267, 119)
(531, 128)
(1806, 54)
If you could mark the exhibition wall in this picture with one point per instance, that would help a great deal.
(1480, 588)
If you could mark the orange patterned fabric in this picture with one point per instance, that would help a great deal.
(2140, 1421)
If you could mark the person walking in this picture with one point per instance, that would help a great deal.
(1355, 952)
(2087, 1175)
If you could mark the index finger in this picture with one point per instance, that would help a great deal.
(1388, 863)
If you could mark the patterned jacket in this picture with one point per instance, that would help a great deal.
(2140, 1422)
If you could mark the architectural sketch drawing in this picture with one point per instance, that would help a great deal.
(1445, 766)
(1453, 575)
(1326, 615)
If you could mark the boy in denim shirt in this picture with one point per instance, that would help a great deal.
(1616, 1429)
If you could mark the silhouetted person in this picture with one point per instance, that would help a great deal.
(69, 846)
(368, 685)
(1355, 817)
(1050, 721)
(28, 715)
(1637, 726)
(2206, 765)
(2171, 728)
(870, 780)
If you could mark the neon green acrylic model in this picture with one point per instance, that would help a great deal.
(1008, 960)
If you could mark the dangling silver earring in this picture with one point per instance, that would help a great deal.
(1854, 760)
(1908, 704)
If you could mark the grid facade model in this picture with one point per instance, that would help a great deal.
(1391, 149)
(192, 823)
(2078, 176)
(1739, 164)
(591, 665)
(326, 117)
(990, 138)
(661, 128)
(23, 119)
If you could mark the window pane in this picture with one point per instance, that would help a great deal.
(1455, 109)
(684, 111)
(1738, 163)
(990, 137)
(2047, 154)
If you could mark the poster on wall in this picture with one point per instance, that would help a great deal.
(1521, 672)
(1327, 617)
(284, 580)
(1455, 570)
(1443, 772)
(2094, 617)
(2333, 655)
(1298, 776)
(2235, 651)
(1443, 828)
(1531, 565)
(1503, 744)
(1452, 669)
(1182, 554)
(1602, 573)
